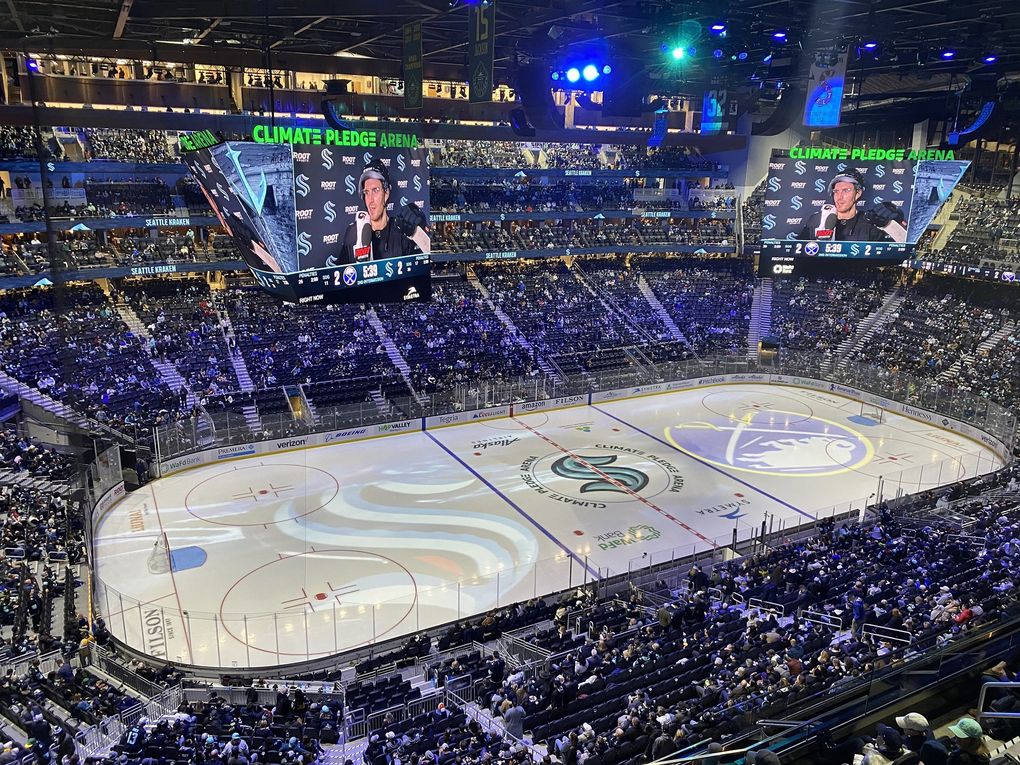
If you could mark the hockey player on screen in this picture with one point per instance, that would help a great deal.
(842, 221)
(374, 235)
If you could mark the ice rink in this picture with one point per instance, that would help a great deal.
(281, 558)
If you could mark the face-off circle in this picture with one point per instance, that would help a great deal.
(258, 495)
(341, 597)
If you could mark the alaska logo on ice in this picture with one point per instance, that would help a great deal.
(774, 442)
(600, 474)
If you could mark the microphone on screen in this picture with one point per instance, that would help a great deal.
(827, 223)
(363, 241)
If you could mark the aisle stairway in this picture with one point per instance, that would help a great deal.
(543, 363)
(761, 317)
(236, 357)
(395, 356)
(871, 324)
(660, 310)
(167, 371)
(984, 349)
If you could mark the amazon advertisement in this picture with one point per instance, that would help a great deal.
(864, 203)
(315, 223)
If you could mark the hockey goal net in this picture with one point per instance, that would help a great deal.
(159, 558)
(873, 412)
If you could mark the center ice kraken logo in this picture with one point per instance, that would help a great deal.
(600, 474)
(774, 442)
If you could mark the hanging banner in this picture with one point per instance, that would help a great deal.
(481, 44)
(826, 84)
(714, 108)
(412, 65)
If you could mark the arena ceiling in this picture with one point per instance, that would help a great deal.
(911, 36)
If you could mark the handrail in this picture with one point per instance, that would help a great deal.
(882, 632)
(984, 692)
(818, 617)
(765, 605)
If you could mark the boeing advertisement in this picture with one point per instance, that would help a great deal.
(860, 203)
(339, 219)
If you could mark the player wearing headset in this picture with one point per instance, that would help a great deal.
(842, 221)
(374, 235)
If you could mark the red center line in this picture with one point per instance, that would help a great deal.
(616, 483)
(173, 579)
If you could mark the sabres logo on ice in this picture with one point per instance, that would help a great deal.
(774, 442)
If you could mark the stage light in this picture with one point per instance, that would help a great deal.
(573, 74)
(742, 56)
(32, 64)
(607, 69)
(779, 36)
(590, 72)
(718, 29)
(871, 45)
(948, 54)
(767, 59)
(678, 53)
(717, 53)
(990, 59)
(555, 75)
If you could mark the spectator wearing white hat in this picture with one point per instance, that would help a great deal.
(916, 730)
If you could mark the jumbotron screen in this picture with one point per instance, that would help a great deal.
(332, 216)
(854, 202)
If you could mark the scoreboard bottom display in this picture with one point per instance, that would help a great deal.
(402, 279)
(823, 249)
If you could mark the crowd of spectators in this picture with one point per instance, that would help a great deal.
(986, 229)
(17, 142)
(513, 195)
(22, 454)
(80, 352)
(709, 300)
(127, 145)
(916, 340)
(184, 327)
(511, 155)
(495, 236)
(455, 340)
(554, 309)
(819, 314)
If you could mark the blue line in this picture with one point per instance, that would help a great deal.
(514, 505)
(703, 462)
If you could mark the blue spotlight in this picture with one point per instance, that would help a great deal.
(607, 69)
(590, 72)
(990, 59)
(948, 54)
(573, 74)
(779, 36)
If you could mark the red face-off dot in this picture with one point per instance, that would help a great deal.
(263, 491)
(616, 430)
(737, 494)
(320, 596)
(578, 532)
(478, 454)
